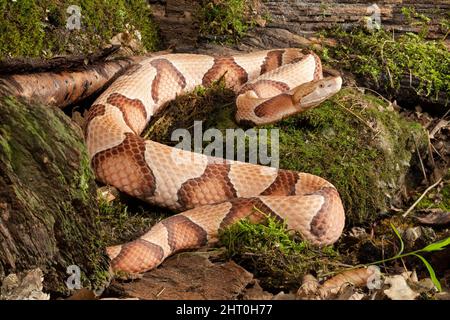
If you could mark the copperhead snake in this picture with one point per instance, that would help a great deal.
(209, 194)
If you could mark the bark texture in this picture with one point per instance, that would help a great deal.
(47, 197)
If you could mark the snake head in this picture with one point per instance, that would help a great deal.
(312, 93)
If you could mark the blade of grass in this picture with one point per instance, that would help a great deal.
(402, 245)
(437, 246)
(430, 271)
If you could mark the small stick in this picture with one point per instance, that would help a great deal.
(373, 91)
(358, 117)
(421, 161)
(160, 292)
(421, 197)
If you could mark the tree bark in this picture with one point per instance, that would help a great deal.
(48, 211)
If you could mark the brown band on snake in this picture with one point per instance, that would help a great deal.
(138, 255)
(273, 60)
(124, 167)
(283, 185)
(95, 111)
(234, 74)
(213, 184)
(245, 208)
(319, 224)
(129, 108)
(275, 105)
(280, 86)
(166, 75)
(183, 233)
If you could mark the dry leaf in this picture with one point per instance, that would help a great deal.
(309, 286)
(399, 289)
(83, 294)
(358, 277)
(436, 217)
(441, 124)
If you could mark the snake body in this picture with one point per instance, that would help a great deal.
(209, 193)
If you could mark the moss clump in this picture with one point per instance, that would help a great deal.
(121, 223)
(356, 143)
(389, 59)
(278, 257)
(223, 20)
(213, 105)
(38, 28)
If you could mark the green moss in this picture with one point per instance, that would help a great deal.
(439, 198)
(278, 257)
(120, 223)
(387, 59)
(199, 104)
(83, 177)
(357, 144)
(4, 144)
(38, 28)
(224, 20)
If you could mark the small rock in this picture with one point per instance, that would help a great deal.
(412, 234)
(27, 287)
(107, 193)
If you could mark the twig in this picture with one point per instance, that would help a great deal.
(421, 161)
(373, 91)
(421, 197)
(358, 117)
(430, 151)
(435, 150)
(160, 292)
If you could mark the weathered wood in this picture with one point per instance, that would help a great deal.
(47, 197)
(27, 65)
